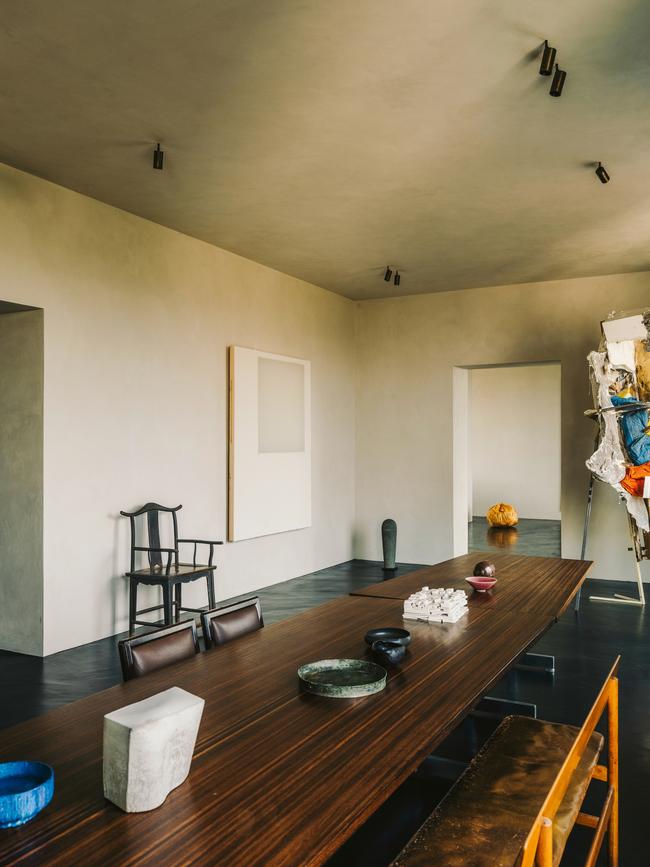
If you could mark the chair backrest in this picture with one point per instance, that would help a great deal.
(152, 511)
(231, 621)
(145, 653)
(538, 846)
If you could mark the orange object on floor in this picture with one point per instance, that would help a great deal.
(502, 515)
(634, 479)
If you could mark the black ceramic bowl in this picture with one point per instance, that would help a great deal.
(388, 633)
(388, 652)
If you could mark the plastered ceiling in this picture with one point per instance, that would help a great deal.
(327, 139)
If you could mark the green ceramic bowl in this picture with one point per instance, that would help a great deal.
(342, 678)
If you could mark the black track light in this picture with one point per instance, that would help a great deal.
(601, 171)
(388, 274)
(548, 59)
(398, 279)
(158, 157)
(558, 81)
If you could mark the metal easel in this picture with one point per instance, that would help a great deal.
(636, 547)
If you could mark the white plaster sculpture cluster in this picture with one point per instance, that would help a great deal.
(148, 748)
(436, 606)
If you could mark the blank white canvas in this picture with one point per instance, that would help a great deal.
(270, 444)
(281, 405)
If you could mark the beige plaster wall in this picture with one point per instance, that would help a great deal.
(21, 482)
(407, 349)
(137, 321)
(514, 431)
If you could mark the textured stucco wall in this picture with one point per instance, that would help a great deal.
(514, 430)
(407, 349)
(21, 482)
(137, 322)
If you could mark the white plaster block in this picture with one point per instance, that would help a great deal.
(148, 748)
(441, 605)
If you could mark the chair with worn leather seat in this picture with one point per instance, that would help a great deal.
(231, 621)
(172, 574)
(521, 796)
(142, 654)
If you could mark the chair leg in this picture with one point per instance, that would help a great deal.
(177, 601)
(167, 604)
(210, 581)
(133, 603)
(612, 774)
(545, 845)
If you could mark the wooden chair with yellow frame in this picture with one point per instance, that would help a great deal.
(519, 799)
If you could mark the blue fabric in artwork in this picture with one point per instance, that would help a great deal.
(633, 425)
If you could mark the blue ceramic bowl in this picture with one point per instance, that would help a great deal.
(25, 788)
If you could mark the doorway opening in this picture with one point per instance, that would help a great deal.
(507, 434)
(21, 478)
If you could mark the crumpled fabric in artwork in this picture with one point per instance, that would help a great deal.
(634, 479)
(608, 461)
(637, 508)
(634, 427)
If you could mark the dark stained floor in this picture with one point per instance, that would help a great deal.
(583, 645)
(30, 686)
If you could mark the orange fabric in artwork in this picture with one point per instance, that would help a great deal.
(634, 478)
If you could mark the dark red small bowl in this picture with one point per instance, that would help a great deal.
(481, 583)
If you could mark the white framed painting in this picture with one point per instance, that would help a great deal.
(269, 443)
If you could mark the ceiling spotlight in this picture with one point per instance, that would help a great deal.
(388, 274)
(601, 171)
(548, 59)
(558, 81)
(398, 279)
(158, 157)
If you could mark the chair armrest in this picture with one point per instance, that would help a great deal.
(196, 542)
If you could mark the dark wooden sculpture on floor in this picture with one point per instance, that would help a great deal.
(389, 544)
(169, 575)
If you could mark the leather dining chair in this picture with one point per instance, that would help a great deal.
(143, 654)
(231, 621)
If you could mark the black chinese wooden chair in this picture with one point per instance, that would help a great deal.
(167, 573)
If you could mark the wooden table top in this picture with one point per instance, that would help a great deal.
(278, 777)
(523, 583)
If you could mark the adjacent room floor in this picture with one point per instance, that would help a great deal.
(531, 536)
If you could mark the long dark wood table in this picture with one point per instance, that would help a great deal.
(278, 777)
(524, 583)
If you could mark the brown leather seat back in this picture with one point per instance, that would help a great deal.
(232, 621)
(146, 653)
